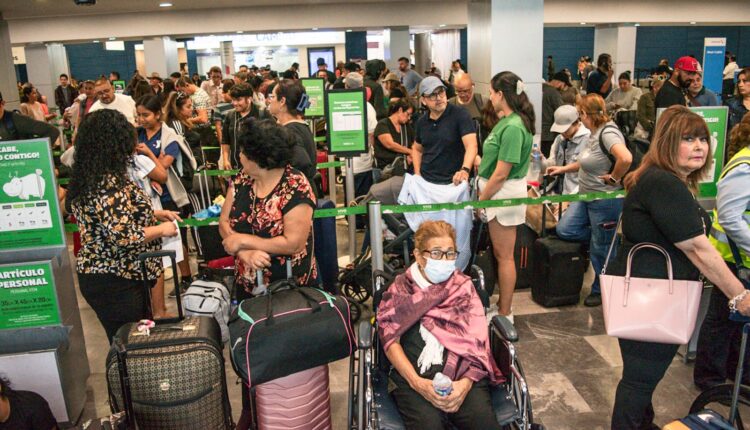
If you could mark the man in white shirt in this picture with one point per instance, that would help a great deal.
(727, 85)
(107, 99)
(213, 86)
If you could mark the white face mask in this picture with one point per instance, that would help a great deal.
(438, 271)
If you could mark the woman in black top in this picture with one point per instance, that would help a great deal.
(661, 208)
(393, 138)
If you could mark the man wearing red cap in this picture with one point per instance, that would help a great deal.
(675, 89)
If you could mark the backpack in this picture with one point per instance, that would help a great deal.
(208, 299)
(186, 169)
(634, 145)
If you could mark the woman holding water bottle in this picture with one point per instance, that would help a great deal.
(595, 221)
(502, 175)
(433, 330)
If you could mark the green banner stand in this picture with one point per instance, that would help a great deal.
(41, 338)
(119, 86)
(315, 89)
(346, 117)
(716, 120)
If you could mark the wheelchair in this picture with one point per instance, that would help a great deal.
(371, 406)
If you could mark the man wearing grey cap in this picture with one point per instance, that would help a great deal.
(564, 154)
(446, 139)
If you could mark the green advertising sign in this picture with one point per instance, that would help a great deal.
(315, 89)
(346, 117)
(29, 210)
(119, 86)
(27, 296)
(716, 120)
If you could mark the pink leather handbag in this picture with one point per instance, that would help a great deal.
(649, 309)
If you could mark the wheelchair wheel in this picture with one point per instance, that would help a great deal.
(719, 399)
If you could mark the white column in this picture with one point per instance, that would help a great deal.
(619, 42)
(227, 58)
(422, 52)
(396, 42)
(161, 56)
(44, 64)
(516, 44)
(7, 70)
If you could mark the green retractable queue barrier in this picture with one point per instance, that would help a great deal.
(41, 339)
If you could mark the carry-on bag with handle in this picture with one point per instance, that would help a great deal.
(210, 298)
(169, 374)
(558, 266)
(649, 309)
(288, 329)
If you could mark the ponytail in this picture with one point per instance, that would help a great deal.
(513, 90)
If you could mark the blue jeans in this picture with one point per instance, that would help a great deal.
(594, 222)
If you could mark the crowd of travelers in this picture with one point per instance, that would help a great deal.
(441, 141)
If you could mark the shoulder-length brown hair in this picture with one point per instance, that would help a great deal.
(674, 123)
(739, 137)
(593, 105)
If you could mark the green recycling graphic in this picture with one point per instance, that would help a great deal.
(29, 212)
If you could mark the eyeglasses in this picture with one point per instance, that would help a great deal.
(466, 91)
(438, 93)
(437, 254)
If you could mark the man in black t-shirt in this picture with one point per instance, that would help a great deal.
(24, 410)
(673, 91)
(446, 139)
(600, 80)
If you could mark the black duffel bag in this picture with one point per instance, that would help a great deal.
(288, 330)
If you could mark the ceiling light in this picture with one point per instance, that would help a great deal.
(693, 22)
(583, 23)
(315, 29)
(637, 25)
(348, 30)
(441, 25)
(165, 4)
(95, 41)
(240, 31)
(112, 38)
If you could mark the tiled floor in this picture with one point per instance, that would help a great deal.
(571, 365)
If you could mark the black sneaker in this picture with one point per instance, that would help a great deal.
(593, 300)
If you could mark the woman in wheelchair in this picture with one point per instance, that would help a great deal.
(431, 320)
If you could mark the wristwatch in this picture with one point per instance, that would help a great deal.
(612, 181)
(467, 170)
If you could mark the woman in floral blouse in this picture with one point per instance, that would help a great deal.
(268, 212)
(116, 221)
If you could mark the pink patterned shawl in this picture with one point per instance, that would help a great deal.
(452, 312)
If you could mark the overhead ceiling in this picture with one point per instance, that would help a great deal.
(24, 9)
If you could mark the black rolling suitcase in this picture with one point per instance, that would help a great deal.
(558, 270)
(173, 377)
(524, 255)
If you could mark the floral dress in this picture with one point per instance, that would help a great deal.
(112, 222)
(264, 217)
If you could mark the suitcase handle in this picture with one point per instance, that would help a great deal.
(175, 278)
(121, 353)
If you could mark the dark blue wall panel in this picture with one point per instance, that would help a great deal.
(192, 60)
(464, 48)
(566, 45)
(655, 43)
(356, 45)
(21, 75)
(90, 60)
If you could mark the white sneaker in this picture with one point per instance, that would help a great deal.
(491, 312)
(510, 318)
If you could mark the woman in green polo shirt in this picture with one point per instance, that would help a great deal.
(502, 175)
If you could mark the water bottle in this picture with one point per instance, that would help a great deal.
(535, 169)
(442, 384)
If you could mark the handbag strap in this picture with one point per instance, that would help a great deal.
(612, 245)
(647, 245)
(736, 254)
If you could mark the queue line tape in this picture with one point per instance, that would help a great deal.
(401, 209)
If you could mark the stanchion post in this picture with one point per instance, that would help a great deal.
(376, 235)
(352, 219)
(332, 180)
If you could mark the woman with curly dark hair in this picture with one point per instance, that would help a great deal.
(115, 219)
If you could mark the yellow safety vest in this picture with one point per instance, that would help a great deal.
(718, 237)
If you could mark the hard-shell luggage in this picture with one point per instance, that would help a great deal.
(326, 249)
(557, 269)
(172, 375)
(287, 330)
(295, 402)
